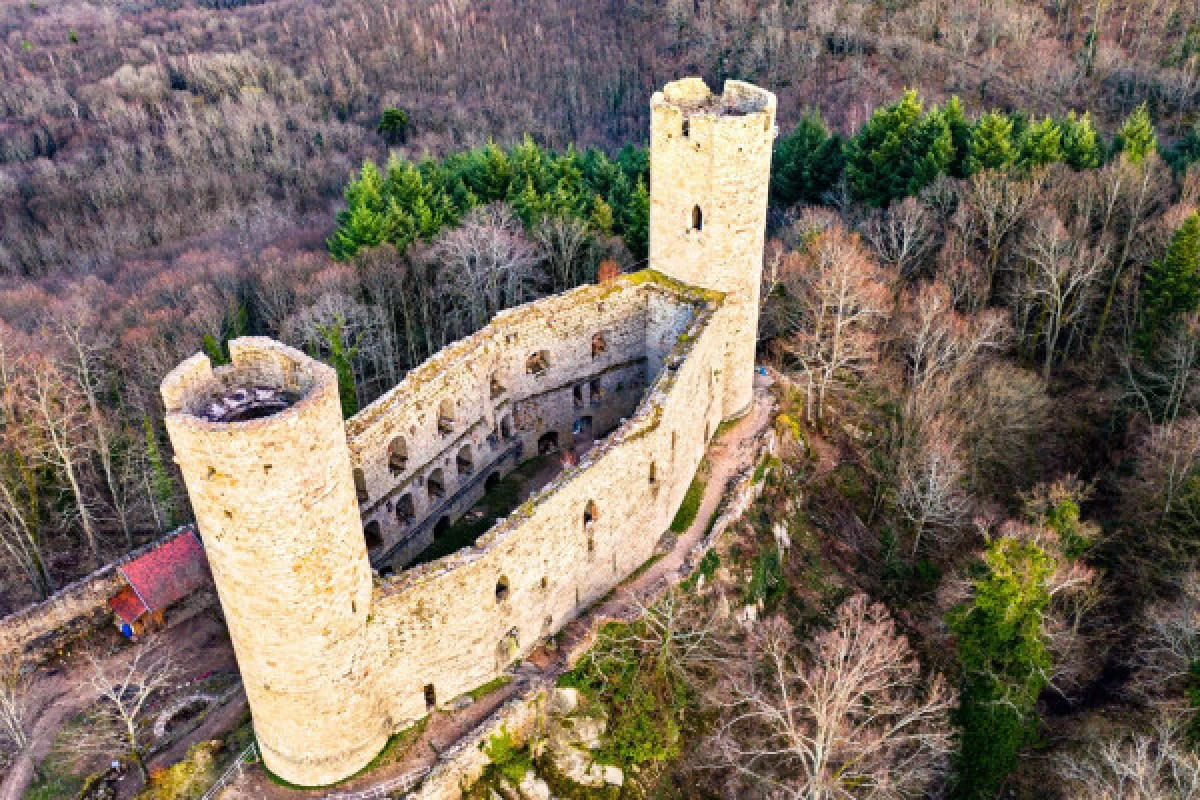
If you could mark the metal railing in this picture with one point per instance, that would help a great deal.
(247, 756)
(401, 783)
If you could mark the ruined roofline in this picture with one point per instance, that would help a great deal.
(461, 355)
(644, 420)
(255, 362)
(692, 96)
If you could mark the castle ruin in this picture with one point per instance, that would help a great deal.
(295, 507)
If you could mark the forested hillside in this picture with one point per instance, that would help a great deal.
(982, 291)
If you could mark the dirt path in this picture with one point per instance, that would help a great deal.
(199, 643)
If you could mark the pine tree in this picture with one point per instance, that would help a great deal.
(807, 162)
(1081, 148)
(1040, 144)
(991, 143)
(394, 125)
(1137, 138)
(1004, 661)
(361, 224)
(1171, 285)
(960, 136)
(898, 152)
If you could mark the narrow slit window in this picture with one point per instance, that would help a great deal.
(697, 219)
(430, 697)
(687, 128)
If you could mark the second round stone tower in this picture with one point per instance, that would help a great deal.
(263, 452)
(710, 169)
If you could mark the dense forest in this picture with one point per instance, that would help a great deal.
(982, 293)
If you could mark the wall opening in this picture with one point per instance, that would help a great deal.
(707, 431)
(491, 482)
(463, 462)
(653, 474)
(398, 455)
(441, 527)
(502, 590)
(373, 535)
(545, 582)
(599, 345)
(406, 510)
(446, 417)
(538, 363)
(506, 427)
(430, 697)
(687, 125)
(436, 485)
(589, 514)
(577, 395)
(674, 436)
(497, 387)
(548, 443)
(596, 390)
(583, 428)
(697, 219)
(360, 486)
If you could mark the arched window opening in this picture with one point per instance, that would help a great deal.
(589, 515)
(697, 219)
(599, 345)
(491, 482)
(430, 697)
(436, 485)
(582, 429)
(373, 535)
(360, 486)
(446, 417)
(463, 461)
(502, 591)
(398, 455)
(538, 363)
(653, 473)
(406, 510)
(439, 530)
(577, 395)
(496, 386)
(596, 391)
(506, 427)
(547, 443)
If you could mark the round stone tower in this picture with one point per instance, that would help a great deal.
(710, 168)
(263, 453)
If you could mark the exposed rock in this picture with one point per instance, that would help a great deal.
(563, 701)
(613, 776)
(462, 701)
(534, 788)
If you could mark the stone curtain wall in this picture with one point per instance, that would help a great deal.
(475, 409)
(460, 621)
(32, 632)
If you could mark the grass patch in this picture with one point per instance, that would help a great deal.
(690, 506)
(398, 745)
(59, 771)
(646, 565)
(480, 692)
(501, 501)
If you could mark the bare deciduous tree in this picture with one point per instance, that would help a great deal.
(120, 719)
(17, 714)
(839, 300)
(930, 490)
(1140, 766)
(901, 236)
(848, 716)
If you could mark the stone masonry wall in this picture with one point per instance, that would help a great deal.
(460, 621)
(475, 409)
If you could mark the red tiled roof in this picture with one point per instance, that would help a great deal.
(168, 572)
(128, 605)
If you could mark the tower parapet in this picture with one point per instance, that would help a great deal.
(263, 452)
(710, 168)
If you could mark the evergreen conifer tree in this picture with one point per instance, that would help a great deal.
(1040, 144)
(960, 136)
(1171, 285)
(807, 162)
(1137, 138)
(1081, 147)
(898, 152)
(991, 143)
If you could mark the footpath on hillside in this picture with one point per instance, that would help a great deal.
(731, 454)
